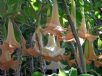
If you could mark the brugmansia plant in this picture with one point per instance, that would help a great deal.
(45, 46)
(8, 47)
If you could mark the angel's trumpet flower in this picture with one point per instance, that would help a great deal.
(100, 57)
(53, 26)
(52, 49)
(90, 54)
(83, 32)
(69, 36)
(37, 38)
(8, 48)
(6, 61)
(27, 51)
(89, 51)
(54, 21)
(11, 40)
(6, 55)
(55, 65)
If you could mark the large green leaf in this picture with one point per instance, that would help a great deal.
(73, 72)
(62, 72)
(99, 44)
(36, 73)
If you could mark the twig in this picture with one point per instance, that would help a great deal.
(75, 56)
(81, 55)
(31, 61)
(19, 59)
(39, 46)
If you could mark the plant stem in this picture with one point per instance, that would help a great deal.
(31, 61)
(81, 55)
(19, 59)
(40, 55)
(75, 56)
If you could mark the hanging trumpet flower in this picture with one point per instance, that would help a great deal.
(89, 51)
(8, 48)
(83, 32)
(51, 48)
(90, 54)
(53, 25)
(37, 38)
(11, 40)
(69, 36)
(55, 65)
(27, 51)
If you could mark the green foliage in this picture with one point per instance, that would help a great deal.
(36, 73)
(3, 31)
(73, 72)
(27, 14)
(85, 75)
(99, 44)
(62, 72)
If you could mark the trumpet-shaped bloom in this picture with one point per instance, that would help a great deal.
(90, 54)
(69, 37)
(37, 38)
(83, 33)
(55, 65)
(6, 60)
(11, 40)
(51, 48)
(89, 51)
(27, 51)
(8, 47)
(53, 25)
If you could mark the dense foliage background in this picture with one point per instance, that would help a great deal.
(27, 15)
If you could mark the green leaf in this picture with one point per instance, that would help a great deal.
(54, 74)
(13, 6)
(2, 7)
(3, 31)
(99, 44)
(85, 75)
(62, 72)
(73, 72)
(37, 73)
(17, 33)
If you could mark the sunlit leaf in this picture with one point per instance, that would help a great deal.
(99, 44)
(85, 75)
(73, 72)
(62, 72)
(37, 73)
